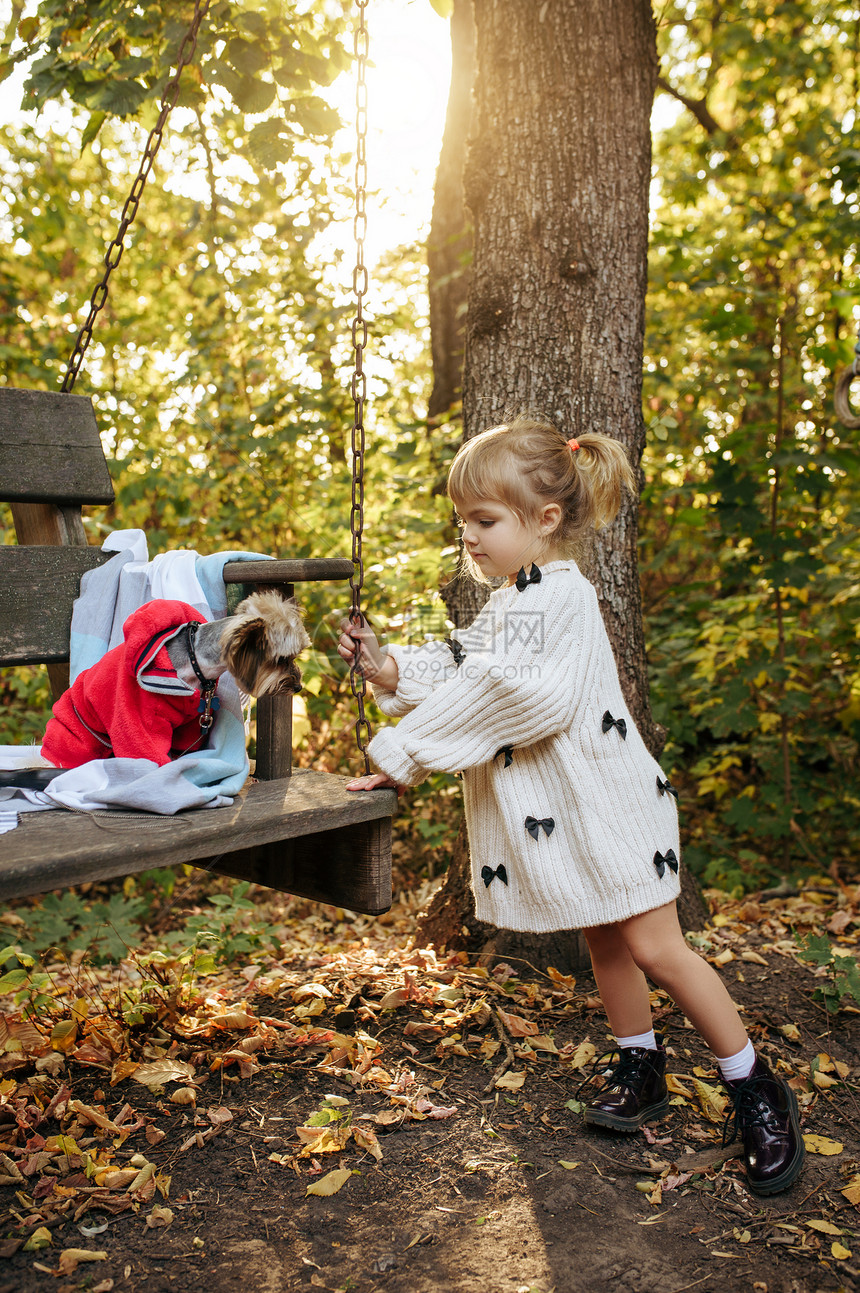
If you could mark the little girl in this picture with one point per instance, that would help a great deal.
(572, 824)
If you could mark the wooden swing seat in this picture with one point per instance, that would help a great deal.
(295, 830)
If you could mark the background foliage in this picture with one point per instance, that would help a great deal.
(222, 362)
(750, 560)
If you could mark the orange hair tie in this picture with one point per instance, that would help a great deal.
(573, 445)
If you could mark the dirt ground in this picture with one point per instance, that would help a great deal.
(472, 1171)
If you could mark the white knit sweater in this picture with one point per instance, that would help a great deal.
(539, 678)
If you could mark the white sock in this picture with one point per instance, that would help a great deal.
(736, 1067)
(648, 1040)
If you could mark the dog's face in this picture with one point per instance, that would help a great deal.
(260, 642)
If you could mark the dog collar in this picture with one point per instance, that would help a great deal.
(207, 685)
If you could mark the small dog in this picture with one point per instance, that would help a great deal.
(257, 645)
(153, 696)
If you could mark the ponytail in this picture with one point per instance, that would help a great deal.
(604, 473)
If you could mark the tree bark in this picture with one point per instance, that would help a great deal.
(556, 179)
(449, 247)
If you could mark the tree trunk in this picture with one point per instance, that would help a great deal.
(557, 179)
(449, 247)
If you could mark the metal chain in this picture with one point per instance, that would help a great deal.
(113, 255)
(359, 380)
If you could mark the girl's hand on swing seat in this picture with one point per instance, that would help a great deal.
(375, 781)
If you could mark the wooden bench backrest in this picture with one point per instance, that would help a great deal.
(50, 451)
(38, 587)
(51, 464)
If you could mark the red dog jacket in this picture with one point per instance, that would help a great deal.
(131, 704)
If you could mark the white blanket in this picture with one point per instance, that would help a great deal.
(208, 778)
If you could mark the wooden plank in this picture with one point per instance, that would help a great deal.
(50, 451)
(348, 867)
(53, 850)
(46, 523)
(274, 737)
(274, 723)
(300, 570)
(37, 589)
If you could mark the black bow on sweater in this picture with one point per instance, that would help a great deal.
(533, 825)
(523, 580)
(456, 650)
(663, 860)
(666, 788)
(610, 722)
(488, 874)
(508, 752)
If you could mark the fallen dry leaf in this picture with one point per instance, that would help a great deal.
(143, 1176)
(98, 1119)
(70, 1259)
(184, 1095)
(517, 1026)
(116, 1179)
(121, 1070)
(366, 1139)
(41, 1238)
(322, 1140)
(430, 1110)
(584, 1054)
(159, 1218)
(161, 1071)
(52, 1064)
(64, 1034)
(825, 1227)
(713, 1102)
(822, 1144)
(330, 1183)
(543, 1043)
(510, 1081)
(677, 1087)
(310, 990)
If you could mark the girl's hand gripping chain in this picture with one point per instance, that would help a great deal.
(376, 667)
(372, 662)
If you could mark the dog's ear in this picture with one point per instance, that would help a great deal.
(243, 650)
(260, 641)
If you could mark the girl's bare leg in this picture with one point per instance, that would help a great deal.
(656, 945)
(621, 984)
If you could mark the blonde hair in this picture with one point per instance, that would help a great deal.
(527, 463)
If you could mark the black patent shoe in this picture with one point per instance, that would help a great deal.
(634, 1090)
(765, 1116)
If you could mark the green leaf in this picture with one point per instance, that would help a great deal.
(92, 128)
(247, 56)
(119, 98)
(14, 980)
(269, 144)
